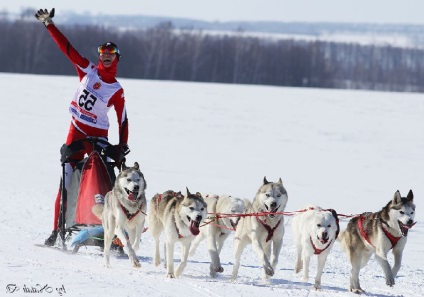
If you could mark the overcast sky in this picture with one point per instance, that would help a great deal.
(362, 11)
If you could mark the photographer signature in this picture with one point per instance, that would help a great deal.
(38, 288)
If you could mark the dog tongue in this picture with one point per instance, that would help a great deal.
(194, 228)
(131, 196)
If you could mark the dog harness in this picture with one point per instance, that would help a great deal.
(393, 239)
(268, 228)
(127, 213)
(178, 231)
(318, 251)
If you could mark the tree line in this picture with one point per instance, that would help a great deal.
(163, 53)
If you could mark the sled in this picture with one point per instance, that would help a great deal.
(91, 179)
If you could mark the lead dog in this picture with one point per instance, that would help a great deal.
(224, 212)
(123, 212)
(315, 230)
(180, 217)
(262, 231)
(377, 233)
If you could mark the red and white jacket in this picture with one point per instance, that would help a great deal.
(98, 92)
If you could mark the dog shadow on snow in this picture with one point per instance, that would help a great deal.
(258, 282)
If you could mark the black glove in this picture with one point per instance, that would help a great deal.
(44, 16)
(125, 149)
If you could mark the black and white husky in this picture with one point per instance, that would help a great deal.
(180, 217)
(124, 212)
(263, 232)
(377, 233)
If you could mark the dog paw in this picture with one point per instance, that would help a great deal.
(268, 270)
(357, 291)
(170, 275)
(219, 269)
(317, 284)
(390, 283)
(136, 264)
(214, 270)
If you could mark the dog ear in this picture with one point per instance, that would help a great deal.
(397, 198)
(199, 195)
(265, 181)
(280, 181)
(335, 215)
(410, 196)
(188, 192)
(136, 166)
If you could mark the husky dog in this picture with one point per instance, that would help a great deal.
(261, 231)
(315, 230)
(225, 213)
(180, 216)
(377, 233)
(123, 212)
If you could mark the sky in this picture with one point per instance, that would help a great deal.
(358, 11)
(340, 149)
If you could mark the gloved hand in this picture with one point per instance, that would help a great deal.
(44, 16)
(125, 149)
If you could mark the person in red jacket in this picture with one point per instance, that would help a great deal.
(97, 93)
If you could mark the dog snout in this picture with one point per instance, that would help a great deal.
(410, 222)
(273, 204)
(136, 187)
(325, 234)
(198, 218)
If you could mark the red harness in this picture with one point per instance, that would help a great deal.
(268, 228)
(129, 215)
(393, 239)
(317, 250)
(178, 231)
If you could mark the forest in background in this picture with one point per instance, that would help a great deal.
(164, 53)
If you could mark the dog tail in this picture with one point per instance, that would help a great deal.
(97, 209)
(340, 239)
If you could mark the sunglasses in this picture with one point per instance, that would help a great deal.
(110, 49)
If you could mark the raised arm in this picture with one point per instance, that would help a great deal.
(62, 42)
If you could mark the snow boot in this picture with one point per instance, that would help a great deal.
(52, 238)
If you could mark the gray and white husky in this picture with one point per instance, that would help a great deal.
(124, 212)
(224, 210)
(180, 217)
(262, 231)
(377, 233)
(314, 232)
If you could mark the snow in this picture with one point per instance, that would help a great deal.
(347, 150)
